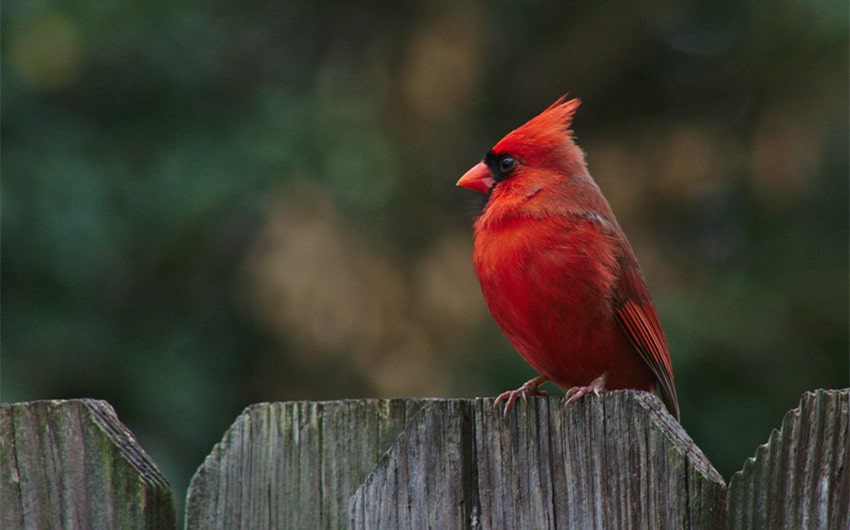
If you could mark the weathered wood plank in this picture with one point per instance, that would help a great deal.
(620, 461)
(73, 464)
(801, 477)
(294, 465)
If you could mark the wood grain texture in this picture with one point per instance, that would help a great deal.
(73, 464)
(801, 477)
(618, 461)
(294, 465)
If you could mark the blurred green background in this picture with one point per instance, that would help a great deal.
(209, 204)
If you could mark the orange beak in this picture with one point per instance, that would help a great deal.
(479, 178)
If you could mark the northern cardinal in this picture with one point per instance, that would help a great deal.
(557, 271)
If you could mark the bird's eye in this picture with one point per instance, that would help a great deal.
(506, 164)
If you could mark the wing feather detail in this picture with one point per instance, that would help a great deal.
(639, 320)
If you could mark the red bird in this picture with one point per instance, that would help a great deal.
(557, 271)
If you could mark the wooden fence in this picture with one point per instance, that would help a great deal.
(619, 461)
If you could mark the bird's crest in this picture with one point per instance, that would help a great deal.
(558, 116)
(544, 131)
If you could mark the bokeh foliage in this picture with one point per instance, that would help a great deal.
(207, 204)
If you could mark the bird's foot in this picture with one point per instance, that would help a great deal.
(595, 387)
(528, 389)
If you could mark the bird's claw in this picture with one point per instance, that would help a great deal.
(527, 389)
(595, 387)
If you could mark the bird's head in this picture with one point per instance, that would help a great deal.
(539, 152)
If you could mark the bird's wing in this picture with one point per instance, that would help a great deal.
(637, 316)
